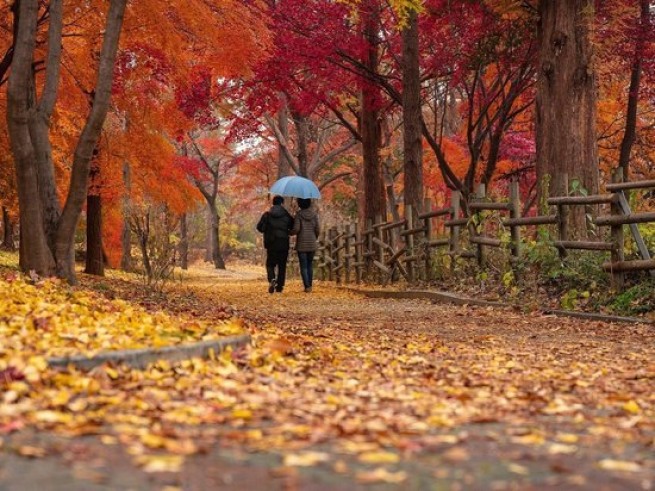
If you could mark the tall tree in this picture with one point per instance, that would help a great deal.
(412, 139)
(48, 245)
(644, 29)
(373, 185)
(566, 98)
(95, 263)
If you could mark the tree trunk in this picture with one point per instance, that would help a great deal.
(126, 235)
(7, 231)
(94, 255)
(370, 119)
(412, 141)
(34, 252)
(184, 242)
(633, 92)
(39, 124)
(302, 132)
(208, 242)
(566, 101)
(87, 143)
(284, 167)
(217, 258)
(143, 233)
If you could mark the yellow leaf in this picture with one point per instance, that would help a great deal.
(619, 465)
(631, 407)
(305, 459)
(161, 463)
(567, 438)
(113, 374)
(53, 417)
(380, 457)
(560, 448)
(242, 414)
(381, 475)
(153, 441)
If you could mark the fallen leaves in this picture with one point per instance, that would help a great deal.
(344, 380)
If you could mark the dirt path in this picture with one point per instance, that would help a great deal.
(342, 392)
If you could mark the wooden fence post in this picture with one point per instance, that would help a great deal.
(618, 240)
(409, 243)
(563, 220)
(480, 195)
(347, 253)
(380, 236)
(515, 212)
(321, 256)
(359, 257)
(368, 257)
(455, 204)
(331, 234)
(427, 225)
(338, 263)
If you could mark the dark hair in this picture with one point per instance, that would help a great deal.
(304, 203)
(278, 200)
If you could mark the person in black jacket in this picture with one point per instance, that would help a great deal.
(276, 225)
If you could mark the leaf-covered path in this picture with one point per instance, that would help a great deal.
(343, 392)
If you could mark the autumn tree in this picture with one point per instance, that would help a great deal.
(47, 237)
(207, 162)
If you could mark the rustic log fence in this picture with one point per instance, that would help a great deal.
(386, 251)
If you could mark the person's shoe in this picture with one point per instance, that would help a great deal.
(271, 286)
(308, 289)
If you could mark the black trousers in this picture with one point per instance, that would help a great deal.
(277, 258)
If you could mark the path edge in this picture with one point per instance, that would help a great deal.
(141, 358)
(450, 298)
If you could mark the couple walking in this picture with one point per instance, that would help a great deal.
(277, 225)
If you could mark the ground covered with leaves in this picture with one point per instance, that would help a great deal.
(342, 392)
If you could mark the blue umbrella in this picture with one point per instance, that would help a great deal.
(296, 187)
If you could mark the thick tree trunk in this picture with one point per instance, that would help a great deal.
(370, 119)
(217, 258)
(126, 234)
(34, 251)
(412, 141)
(7, 231)
(94, 254)
(566, 101)
(86, 144)
(630, 133)
(184, 243)
(39, 125)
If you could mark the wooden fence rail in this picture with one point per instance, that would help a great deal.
(385, 251)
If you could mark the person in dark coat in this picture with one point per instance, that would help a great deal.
(307, 228)
(276, 225)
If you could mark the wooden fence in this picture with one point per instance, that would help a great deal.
(385, 251)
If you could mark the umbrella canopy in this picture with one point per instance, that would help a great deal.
(295, 187)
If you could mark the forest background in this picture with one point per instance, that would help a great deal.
(160, 147)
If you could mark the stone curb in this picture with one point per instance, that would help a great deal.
(141, 358)
(445, 297)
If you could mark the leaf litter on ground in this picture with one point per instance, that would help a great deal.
(380, 380)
